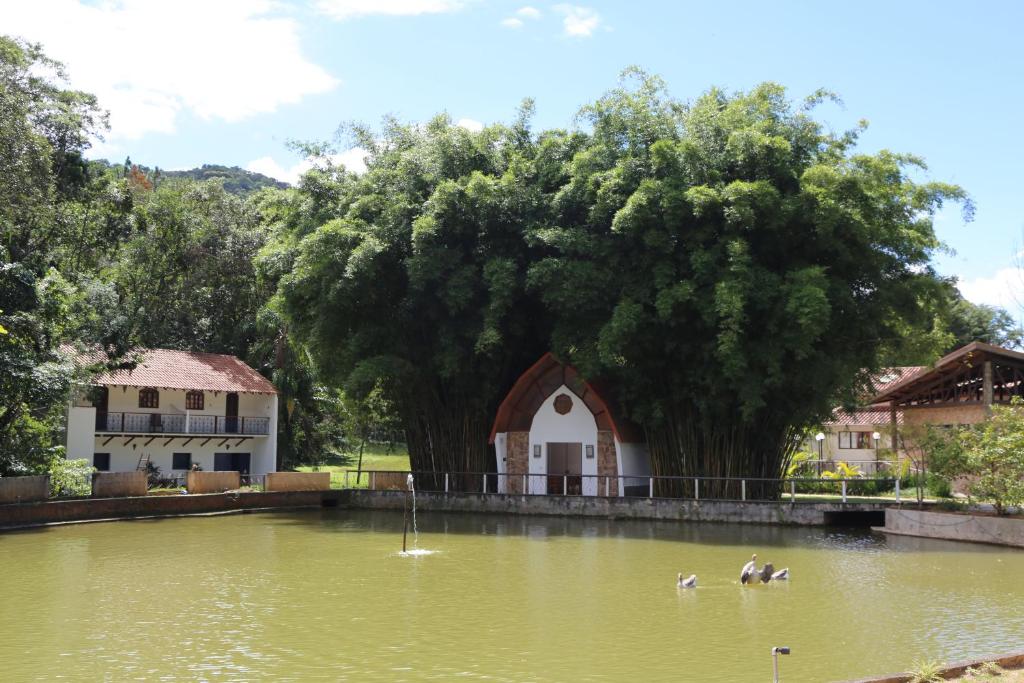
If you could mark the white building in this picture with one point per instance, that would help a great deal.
(177, 409)
(555, 434)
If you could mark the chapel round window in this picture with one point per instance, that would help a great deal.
(563, 404)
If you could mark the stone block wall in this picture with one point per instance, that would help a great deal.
(298, 481)
(388, 481)
(517, 460)
(607, 464)
(945, 415)
(24, 489)
(118, 484)
(212, 482)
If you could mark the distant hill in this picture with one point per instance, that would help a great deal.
(236, 180)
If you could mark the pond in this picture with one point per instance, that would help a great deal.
(322, 595)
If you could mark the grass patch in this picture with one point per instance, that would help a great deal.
(375, 457)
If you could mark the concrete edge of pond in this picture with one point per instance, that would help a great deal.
(780, 513)
(1010, 661)
(56, 512)
(955, 526)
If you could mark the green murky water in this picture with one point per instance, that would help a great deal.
(323, 596)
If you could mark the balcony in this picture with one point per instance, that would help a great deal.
(176, 423)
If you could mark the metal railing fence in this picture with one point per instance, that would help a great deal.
(739, 489)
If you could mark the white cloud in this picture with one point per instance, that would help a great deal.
(149, 61)
(578, 22)
(529, 13)
(470, 124)
(1004, 288)
(349, 9)
(353, 160)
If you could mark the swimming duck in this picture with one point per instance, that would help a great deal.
(690, 582)
(749, 570)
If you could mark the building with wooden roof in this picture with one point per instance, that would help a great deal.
(959, 389)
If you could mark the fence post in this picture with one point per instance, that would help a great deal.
(792, 491)
(844, 490)
(346, 478)
(373, 480)
(525, 488)
(483, 487)
(743, 489)
(565, 484)
(897, 489)
(696, 489)
(446, 482)
(650, 486)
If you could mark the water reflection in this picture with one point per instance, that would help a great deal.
(322, 595)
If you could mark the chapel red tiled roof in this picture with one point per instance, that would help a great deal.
(170, 369)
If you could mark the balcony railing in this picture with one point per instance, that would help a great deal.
(176, 423)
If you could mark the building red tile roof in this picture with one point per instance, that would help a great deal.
(170, 369)
(865, 416)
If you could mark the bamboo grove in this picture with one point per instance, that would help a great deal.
(728, 265)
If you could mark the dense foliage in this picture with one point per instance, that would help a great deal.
(120, 256)
(994, 457)
(412, 277)
(732, 267)
(729, 266)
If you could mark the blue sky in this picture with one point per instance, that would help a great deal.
(231, 81)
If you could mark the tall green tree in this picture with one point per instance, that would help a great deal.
(969, 322)
(44, 130)
(415, 281)
(735, 268)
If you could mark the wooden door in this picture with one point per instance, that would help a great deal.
(565, 468)
(231, 414)
(101, 400)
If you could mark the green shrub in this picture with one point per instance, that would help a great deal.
(70, 478)
(994, 455)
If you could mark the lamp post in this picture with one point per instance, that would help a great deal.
(776, 651)
(820, 438)
(876, 436)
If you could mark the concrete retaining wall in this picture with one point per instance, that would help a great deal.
(298, 481)
(118, 484)
(86, 509)
(24, 489)
(811, 514)
(955, 526)
(212, 482)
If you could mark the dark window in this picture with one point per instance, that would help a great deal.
(232, 462)
(149, 398)
(860, 440)
(181, 461)
(101, 461)
(194, 400)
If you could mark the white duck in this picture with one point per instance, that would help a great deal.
(690, 582)
(749, 571)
